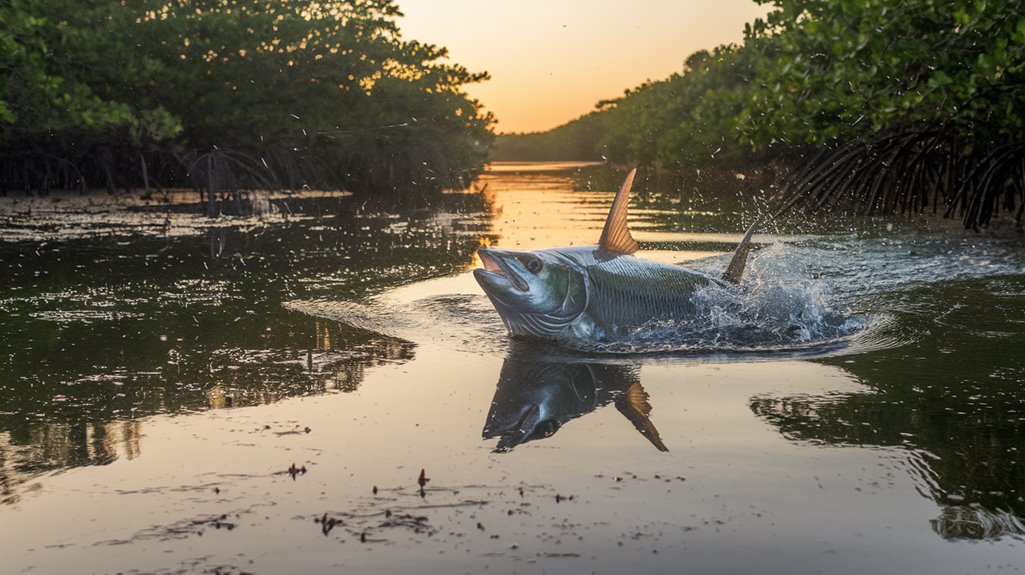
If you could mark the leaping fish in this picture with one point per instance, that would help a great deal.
(594, 293)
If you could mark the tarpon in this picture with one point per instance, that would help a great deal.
(594, 293)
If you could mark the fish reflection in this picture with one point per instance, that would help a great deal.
(540, 390)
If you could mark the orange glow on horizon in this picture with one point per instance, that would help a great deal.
(551, 62)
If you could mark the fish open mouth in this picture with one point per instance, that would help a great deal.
(497, 266)
(523, 429)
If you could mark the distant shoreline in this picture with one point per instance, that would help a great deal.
(537, 166)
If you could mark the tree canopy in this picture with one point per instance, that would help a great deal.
(897, 106)
(833, 70)
(288, 92)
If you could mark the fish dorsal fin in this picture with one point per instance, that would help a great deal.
(735, 271)
(633, 403)
(616, 238)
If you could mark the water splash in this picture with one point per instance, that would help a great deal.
(458, 321)
(777, 314)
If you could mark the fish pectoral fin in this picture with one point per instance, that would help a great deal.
(635, 406)
(615, 237)
(735, 271)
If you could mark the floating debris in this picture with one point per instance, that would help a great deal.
(422, 481)
(294, 471)
(327, 523)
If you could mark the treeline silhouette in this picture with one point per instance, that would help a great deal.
(222, 96)
(871, 107)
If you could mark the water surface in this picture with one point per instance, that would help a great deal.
(157, 387)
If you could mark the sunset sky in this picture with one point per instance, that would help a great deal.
(551, 61)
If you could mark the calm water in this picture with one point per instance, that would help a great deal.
(159, 378)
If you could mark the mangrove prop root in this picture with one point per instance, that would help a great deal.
(898, 172)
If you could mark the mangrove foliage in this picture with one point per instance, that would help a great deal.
(226, 95)
(869, 106)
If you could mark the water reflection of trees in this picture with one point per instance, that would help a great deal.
(54, 446)
(959, 455)
(110, 427)
(338, 362)
(121, 330)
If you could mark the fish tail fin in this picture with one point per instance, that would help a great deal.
(735, 271)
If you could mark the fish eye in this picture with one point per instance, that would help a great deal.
(534, 265)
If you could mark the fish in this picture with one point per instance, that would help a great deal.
(595, 293)
(538, 391)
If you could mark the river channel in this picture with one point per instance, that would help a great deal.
(265, 394)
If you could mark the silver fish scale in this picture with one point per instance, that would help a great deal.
(628, 292)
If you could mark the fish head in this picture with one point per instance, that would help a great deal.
(536, 293)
